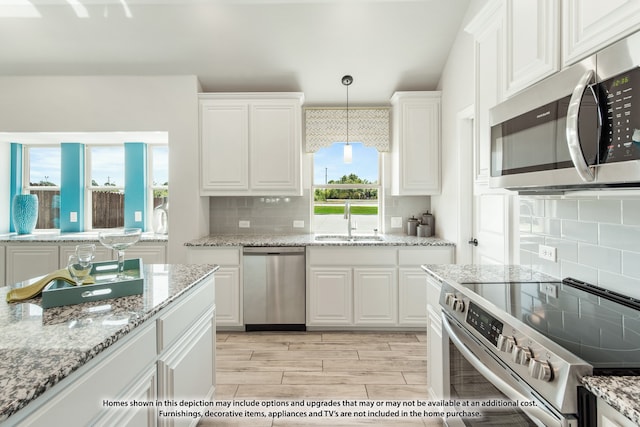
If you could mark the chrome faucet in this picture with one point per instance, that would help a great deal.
(347, 216)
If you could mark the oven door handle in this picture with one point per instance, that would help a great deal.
(538, 413)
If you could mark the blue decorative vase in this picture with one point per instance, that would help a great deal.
(25, 213)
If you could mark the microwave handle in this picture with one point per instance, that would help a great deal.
(573, 140)
(538, 414)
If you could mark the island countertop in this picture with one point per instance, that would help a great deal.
(41, 347)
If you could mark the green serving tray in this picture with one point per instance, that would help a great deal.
(59, 292)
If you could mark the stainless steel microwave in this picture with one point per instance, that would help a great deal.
(578, 129)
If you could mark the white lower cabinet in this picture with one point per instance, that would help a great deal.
(608, 416)
(330, 296)
(170, 357)
(2, 268)
(372, 287)
(25, 261)
(229, 314)
(412, 294)
(150, 253)
(186, 371)
(375, 292)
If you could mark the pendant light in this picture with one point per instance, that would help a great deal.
(348, 152)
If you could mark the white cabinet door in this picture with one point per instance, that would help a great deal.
(228, 304)
(415, 151)
(330, 297)
(228, 280)
(412, 296)
(186, 371)
(375, 294)
(25, 261)
(224, 146)
(590, 25)
(251, 144)
(532, 42)
(151, 253)
(487, 29)
(275, 148)
(143, 390)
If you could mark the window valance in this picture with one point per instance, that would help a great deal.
(324, 126)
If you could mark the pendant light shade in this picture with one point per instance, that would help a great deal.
(348, 151)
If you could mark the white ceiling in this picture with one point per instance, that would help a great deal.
(239, 45)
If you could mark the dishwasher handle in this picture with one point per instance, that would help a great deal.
(273, 250)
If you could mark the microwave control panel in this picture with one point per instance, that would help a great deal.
(621, 113)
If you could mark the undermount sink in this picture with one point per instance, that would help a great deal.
(343, 238)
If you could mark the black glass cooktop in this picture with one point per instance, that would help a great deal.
(599, 326)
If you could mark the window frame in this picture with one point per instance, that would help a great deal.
(89, 188)
(26, 173)
(379, 186)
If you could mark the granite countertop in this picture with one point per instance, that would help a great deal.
(309, 240)
(55, 236)
(479, 273)
(622, 393)
(41, 347)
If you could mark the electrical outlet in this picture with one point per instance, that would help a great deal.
(73, 217)
(244, 224)
(396, 222)
(547, 252)
(298, 223)
(549, 289)
(137, 216)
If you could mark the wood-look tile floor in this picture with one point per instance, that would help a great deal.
(321, 366)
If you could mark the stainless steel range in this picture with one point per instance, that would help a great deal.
(531, 343)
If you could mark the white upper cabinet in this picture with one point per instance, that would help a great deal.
(487, 29)
(415, 148)
(589, 25)
(532, 42)
(251, 144)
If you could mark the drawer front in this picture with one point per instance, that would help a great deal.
(417, 257)
(173, 324)
(220, 256)
(352, 256)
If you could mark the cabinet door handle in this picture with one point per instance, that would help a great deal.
(473, 242)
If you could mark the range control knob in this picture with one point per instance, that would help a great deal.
(521, 355)
(506, 343)
(458, 305)
(540, 370)
(448, 298)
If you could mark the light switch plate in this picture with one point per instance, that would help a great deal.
(396, 222)
(244, 224)
(137, 216)
(298, 223)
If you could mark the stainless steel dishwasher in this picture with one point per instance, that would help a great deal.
(274, 288)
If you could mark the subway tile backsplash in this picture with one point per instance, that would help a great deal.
(269, 215)
(597, 238)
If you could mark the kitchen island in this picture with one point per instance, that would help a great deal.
(81, 364)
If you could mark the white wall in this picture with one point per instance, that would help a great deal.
(458, 90)
(119, 103)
